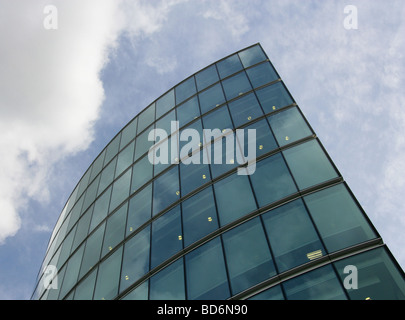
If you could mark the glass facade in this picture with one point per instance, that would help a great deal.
(136, 230)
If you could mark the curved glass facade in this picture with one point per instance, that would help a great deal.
(136, 230)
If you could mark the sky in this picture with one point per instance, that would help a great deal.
(72, 75)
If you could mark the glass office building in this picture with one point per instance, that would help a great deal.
(289, 230)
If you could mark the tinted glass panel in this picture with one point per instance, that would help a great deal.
(273, 293)
(98, 163)
(120, 190)
(229, 66)
(205, 273)
(85, 289)
(100, 210)
(115, 229)
(188, 111)
(248, 256)
(211, 98)
(72, 272)
(274, 97)
(338, 218)
(143, 144)
(164, 104)
(245, 109)
(193, 176)
(92, 251)
(185, 90)
(125, 159)
(168, 284)
(146, 118)
(129, 133)
(139, 293)
(140, 207)
(290, 251)
(261, 74)
(166, 190)
(112, 149)
(236, 85)
(206, 77)
(142, 173)
(107, 176)
(252, 56)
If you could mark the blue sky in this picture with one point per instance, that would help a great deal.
(65, 93)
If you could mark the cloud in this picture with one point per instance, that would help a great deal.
(50, 93)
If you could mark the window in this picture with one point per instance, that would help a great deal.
(289, 126)
(193, 176)
(261, 74)
(135, 262)
(142, 173)
(338, 218)
(108, 277)
(205, 273)
(82, 228)
(206, 77)
(245, 109)
(211, 98)
(218, 119)
(140, 207)
(188, 111)
(166, 236)
(120, 190)
(143, 144)
(168, 284)
(272, 180)
(85, 289)
(309, 164)
(98, 163)
(229, 66)
(234, 198)
(292, 236)
(274, 97)
(115, 229)
(90, 195)
(112, 149)
(166, 190)
(199, 216)
(100, 210)
(236, 85)
(107, 176)
(274, 293)
(164, 104)
(146, 118)
(72, 272)
(129, 133)
(92, 251)
(248, 256)
(139, 293)
(252, 56)
(185, 90)
(319, 284)
(125, 159)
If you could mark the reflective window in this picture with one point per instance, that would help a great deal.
(248, 256)
(166, 236)
(168, 284)
(376, 275)
(136, 258)
(146, 118)
(234, 198)
(92, 251)
(98, 163)
(100, 210)
(218, 119)
(292, 236)
(185, 90)
(229, 66)
(338, 218)
(199, 216)
(224, 154)
(309, 164)
(142, 173)
(140, 207)
(112, 149)
(115, 229)
(120, 190)
(206, 77)
(245, 109)
(89, 196)
(272, 180)
(72, 272)
(166, 190)
(85, 289)
(139, 293)
(261, 74)
(186, 142)
(165, 123)
(129, 132)
(211, 98)
(164, 104)
(125, 159)
(193, 176)
(205, 273)
(66, 246)
(82, 228)
(289, 126)
(107, 176)
(273, 293)
(319, 284)
(188, 111)
(252, 56)
(236, 85)
(274, 97)
(108, 277)
(143, 144)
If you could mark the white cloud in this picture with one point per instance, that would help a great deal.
(50, 92)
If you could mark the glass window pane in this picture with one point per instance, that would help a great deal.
(224, 154)
(245, 109)
(142, 173)
(205, 272)
(289, 126)
(248, 256)
(82, 228)
(107, 176)
(146, 118)
(252, 56)
(136, 258)
(100, 210)
(98, 165)
(218, 119)
(186, 141)
(125, 159)
(206, 77)
(140, 207)
(166, 190)
(185, 90)
(165, 123)
(261, 74)
(115, 229)
(292, 236)
(236, 85)
(72, 272)
(92, 251)
(193, 176)
(166, 236)
(273, 293)
(139, 293)
(211, 98)
(129, 133)
(112, 149)
(108, 277)
(234, 198)
(85, 289)
(199, 216)
(188, 111)
(168, 284)
(309, 164)
(319, 284)
(229, 66)
(90, 195)
(143, 144)
(377, 276)
(164, 104)
(338, 218)
(272, 180)
(274, 97)
(120, 190)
